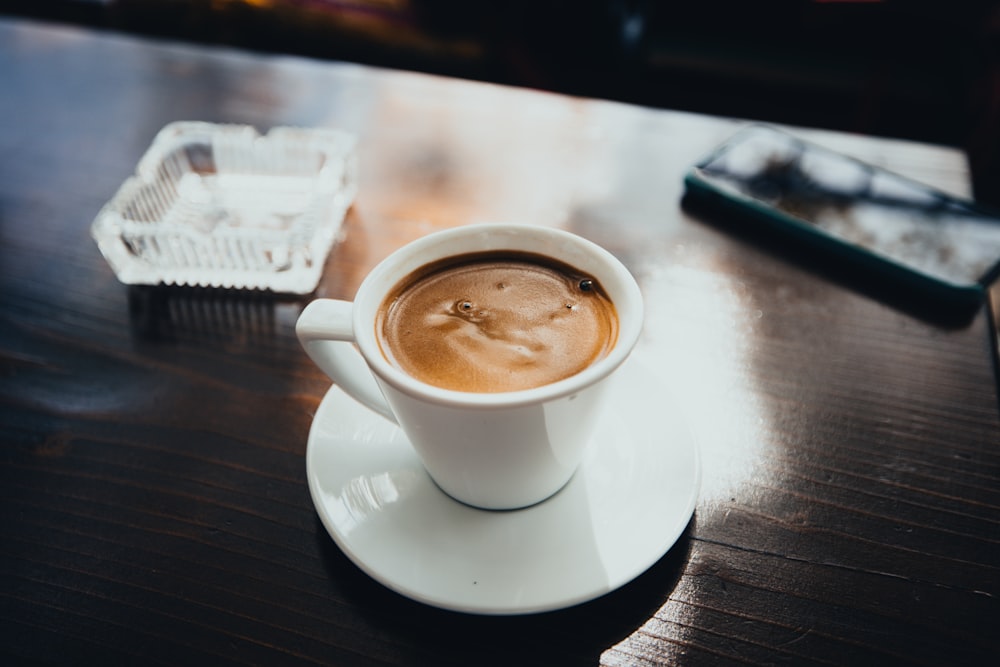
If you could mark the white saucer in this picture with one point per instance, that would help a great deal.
(625, 507)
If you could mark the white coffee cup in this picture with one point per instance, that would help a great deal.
(490, 450)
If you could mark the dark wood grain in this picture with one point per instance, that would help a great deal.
(152, 487)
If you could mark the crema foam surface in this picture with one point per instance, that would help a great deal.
(496, 323)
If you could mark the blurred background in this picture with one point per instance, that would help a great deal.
(927, 70)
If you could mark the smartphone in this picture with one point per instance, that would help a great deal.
(878, 225)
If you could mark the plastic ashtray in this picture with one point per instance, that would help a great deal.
(224, 206)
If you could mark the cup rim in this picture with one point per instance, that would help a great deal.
(422, 251)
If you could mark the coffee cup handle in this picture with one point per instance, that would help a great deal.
(325, 330)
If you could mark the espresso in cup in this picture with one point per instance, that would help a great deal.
(496, 322)
(530, 345)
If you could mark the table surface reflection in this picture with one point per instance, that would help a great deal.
(153, 478)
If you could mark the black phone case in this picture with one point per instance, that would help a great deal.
(898, 281)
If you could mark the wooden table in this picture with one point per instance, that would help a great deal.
(154, 499)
